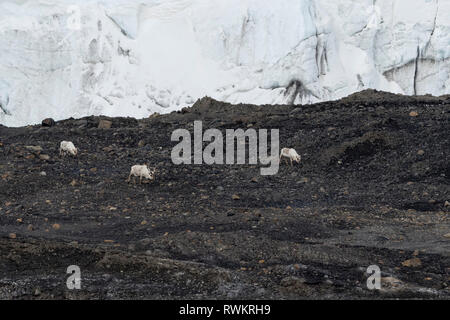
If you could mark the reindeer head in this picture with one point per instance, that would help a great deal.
(151, 171)
(73, 151)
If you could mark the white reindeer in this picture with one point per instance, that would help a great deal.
(291, 154)
(141, 171)
(67, 147)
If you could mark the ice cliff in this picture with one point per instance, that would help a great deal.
(74, 58)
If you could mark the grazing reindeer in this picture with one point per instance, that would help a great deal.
(141, 171)
(67, 147)
(291, 154)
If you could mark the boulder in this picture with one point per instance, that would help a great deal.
(104, 124)
(48, 122)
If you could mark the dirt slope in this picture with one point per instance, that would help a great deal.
(371, 189)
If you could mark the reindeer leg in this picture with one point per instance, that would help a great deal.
(291, 162)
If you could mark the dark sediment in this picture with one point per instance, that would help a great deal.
(372, 188)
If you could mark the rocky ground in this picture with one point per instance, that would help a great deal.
(372, 189)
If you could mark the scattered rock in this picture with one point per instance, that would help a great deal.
(36, 149)
(42, 173)
(303, 180)
(420, 168)
(391, 283)
(37, 292)
(141, 143)
(145, 241)
(295, 285)
(104, 124)
(290, 281)
(49, 122)
(108, 149)
(45, 157)
(414, 262)
(82, 123)
(295, 111)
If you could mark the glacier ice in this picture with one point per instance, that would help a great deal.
(133, 58)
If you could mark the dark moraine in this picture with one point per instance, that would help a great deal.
(372, 189)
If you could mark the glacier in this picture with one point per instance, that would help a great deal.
(64, 58)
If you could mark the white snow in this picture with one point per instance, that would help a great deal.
(136, 57)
